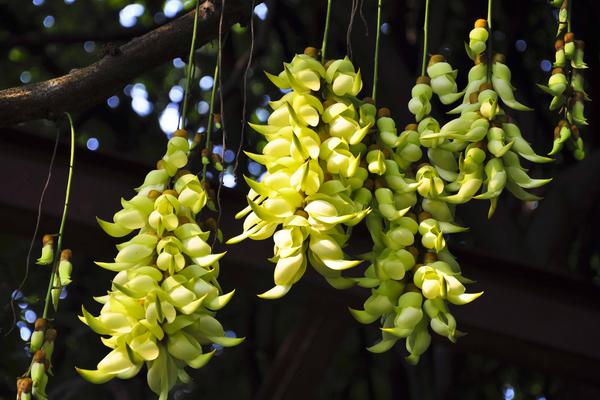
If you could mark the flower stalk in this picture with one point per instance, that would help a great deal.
(376, 58)
(190, 70)
(32, 384)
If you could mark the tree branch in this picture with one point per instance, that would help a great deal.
(40, 39)
(37, 39)
(85, 87)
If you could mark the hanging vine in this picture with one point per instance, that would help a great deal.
(34, 381)
(333, 161)
(160, 310)
(566, 85)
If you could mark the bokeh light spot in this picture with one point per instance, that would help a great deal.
(92, 144)
(48, 21)
(172, 7)
(169, 118)
(113, 101)
(178, 63)
(546, 65)
(89, 46)
(176, 94)
(203, 107)
(206, 82)
(25, 77)
(129, 14)
(25, 333)
(30, 316)
(261, 10)
(229, 181)
(521, 45)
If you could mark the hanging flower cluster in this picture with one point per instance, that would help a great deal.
(317, 162)
(62, 274)
(161, 306)
(566, 86)
(413, 277)
(33, 383)
(485, 140)
(317, 185)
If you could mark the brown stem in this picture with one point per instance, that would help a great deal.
(88, 86)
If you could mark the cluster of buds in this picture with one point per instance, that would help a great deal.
(412, 275)
(62, 274)
(47, 256)
(161, 307)
(62, 277)
(312, 192)
(24, 388)
(566, 86)
(420, 101)
(443, 79)
(477, 39)
(482, 147)
(33, 384)
(318, 184)
(211, 158)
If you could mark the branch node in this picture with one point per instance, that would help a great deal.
(110, 49)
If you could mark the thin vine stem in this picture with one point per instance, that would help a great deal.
(326, 32)
(425, 38)
(63, 219)
(490, 40)
(190, 70)
(569, 8)
(376, 61)
(223, 130)
(568, 70)
(35, 232)
(350, 27)
(211, 112)
(245, 95)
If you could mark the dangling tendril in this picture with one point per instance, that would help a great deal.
(362, 17)
(190, 71)
(245, 92)
(425, 38)
(222, 112)
(63, 219)
(350, 26)
(491, 41)
(376, 61)
(326, 32)
(211, 111)
(35, 232)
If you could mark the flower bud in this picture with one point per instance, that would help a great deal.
(24, 388)
(47, 251)
(38, 367)
(48, 347)
(181, 133)
(312, 52)
(37, 339)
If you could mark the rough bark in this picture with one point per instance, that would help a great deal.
(85, 87)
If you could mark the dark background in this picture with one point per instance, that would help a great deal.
(533, 335)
